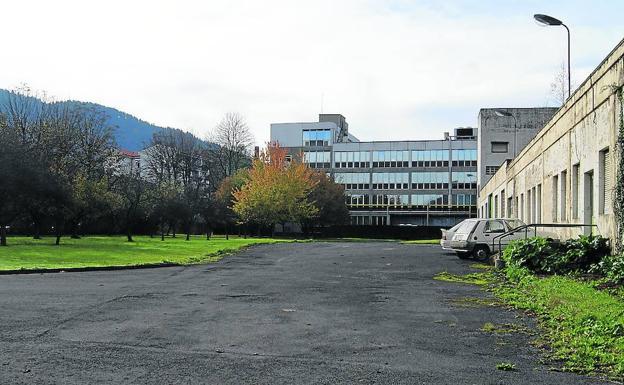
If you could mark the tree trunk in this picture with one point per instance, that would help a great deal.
(129, 236)
(74, 232)
(37, 228)
(3, 235)
(174, 231)
(227, 235)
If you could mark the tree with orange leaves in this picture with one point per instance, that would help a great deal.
(276, 191)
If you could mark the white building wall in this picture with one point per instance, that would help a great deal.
(585, 125)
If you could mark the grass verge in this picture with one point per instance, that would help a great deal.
(28, 254)
(581, 327)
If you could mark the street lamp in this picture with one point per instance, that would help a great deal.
(503, 113)
(551, 21)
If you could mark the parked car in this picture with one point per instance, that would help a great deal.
(474, 237)
(447, 235)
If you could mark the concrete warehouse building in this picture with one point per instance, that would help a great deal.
(567, 172)
(422, 182)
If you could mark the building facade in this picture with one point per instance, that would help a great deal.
(567, 173)
(428, 182)
(503, 132)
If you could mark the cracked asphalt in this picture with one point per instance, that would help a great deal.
(299, 313)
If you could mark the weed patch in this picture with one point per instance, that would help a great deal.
(480, 279)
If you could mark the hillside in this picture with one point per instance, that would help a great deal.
(131, 133)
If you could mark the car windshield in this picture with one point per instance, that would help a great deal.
(465, 227)
(514, 223)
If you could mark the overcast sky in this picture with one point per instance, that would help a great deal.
(396, 69)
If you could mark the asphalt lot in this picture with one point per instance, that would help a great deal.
(303, 313)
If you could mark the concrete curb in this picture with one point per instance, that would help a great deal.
(88, 268)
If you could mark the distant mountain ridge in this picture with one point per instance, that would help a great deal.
(131, 133)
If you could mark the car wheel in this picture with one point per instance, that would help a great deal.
(481, 253)
(463, 255)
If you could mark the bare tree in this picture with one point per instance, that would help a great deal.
(559, 85)
(233, 146)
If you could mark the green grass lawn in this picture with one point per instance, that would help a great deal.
(27, 253)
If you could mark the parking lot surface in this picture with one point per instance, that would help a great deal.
(299, 313)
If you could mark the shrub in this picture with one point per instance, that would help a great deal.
(612, 267)
(548, 256)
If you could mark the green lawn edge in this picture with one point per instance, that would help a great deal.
(25, 254)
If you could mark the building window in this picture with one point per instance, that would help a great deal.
(464, 180)
(564, 194)
(353, 180)
(464, 199)
(605, 182)
(500, 147)
(357, 200)
(502, 203)
(429, 200)
(390, 158)
(352, 159)
(509, 207)
(319, 137)
(555, 197)
(317, 159)
(430, 158)
(538, 199)
(431, 180)
(576, 175)
(391, 180)
(495, 206)
(491, 170)
(464, 158)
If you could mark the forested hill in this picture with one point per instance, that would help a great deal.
(131, 133)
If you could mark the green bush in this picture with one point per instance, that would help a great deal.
(546, 256)
(612, 267)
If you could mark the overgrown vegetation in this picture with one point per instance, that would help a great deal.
(582, 325)
(545, 256)
(618, 198)
(506, 366)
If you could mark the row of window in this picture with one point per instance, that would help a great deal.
(528, 205)
(317, 137)
(355, 200)
(392, 158)
(376, 220)
(401, 180)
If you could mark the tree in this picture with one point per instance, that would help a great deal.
(232, 146)
(224, 199)
(559, 85)
(132, 194)
(276, 191)
(328, 198)
(176, 162)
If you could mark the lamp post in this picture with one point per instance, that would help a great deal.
(551, 21)
(503, 113)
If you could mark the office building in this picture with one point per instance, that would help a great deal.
(413, 182)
